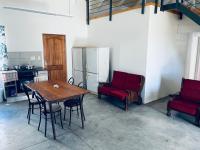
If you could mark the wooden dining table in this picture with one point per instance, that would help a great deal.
(58, 91)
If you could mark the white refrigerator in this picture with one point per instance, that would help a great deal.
(78, 68)
(91, 66)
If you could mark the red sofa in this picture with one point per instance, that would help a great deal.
(124, 86)
(188, 100)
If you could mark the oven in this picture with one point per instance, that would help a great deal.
(25, 76)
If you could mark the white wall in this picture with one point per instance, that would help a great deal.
(153, 45)
(51, 6)
(24, 30)
(188, 28)
(127, 37)
(191, 30)
(190, 70)
(165, 56)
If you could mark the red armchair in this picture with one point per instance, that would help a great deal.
(124, 86)
(188, 101)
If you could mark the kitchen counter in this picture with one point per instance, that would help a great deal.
(40, 69)
(8, 76)
(9, 85)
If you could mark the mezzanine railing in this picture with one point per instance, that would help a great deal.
(97, 8)
(190, 8)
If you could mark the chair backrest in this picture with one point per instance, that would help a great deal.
(190, 90)
(127, 81)
(118, 79)
(40, 100)
(26, 90)
(81, 85)
(71, 81)
(134, 82)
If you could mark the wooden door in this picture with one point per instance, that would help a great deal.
(55, 56)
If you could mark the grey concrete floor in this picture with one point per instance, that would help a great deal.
(107, 127)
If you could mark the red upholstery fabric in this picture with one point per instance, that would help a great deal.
(191, 84)
(184, 106)
(120, 94)
(105, 90)
(120, 83)
(190, 95)
(126, 81)
(119, 79)
(132, 82)
(191, 90)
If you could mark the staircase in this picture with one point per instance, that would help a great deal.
(189, 8)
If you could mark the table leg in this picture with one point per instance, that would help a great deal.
(52, 121)
(81, 106)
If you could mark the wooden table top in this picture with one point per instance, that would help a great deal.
(50, 93)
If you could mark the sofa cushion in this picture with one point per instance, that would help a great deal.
(119, 79)
(190, 90)
(184, 106)
(132, 82)
(105, 90)
(120, 94)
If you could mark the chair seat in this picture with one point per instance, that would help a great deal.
(72, 102)
(106, 90)
(110, 91)
(184, 106)
(55, 108)
(120, 94)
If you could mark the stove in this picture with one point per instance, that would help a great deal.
(25, 75)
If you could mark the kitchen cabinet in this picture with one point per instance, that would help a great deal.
(8, 80)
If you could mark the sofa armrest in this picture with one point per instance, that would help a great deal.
(132, 95)
(141, 85)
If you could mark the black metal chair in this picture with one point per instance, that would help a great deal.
(31, 102)
(71, 81)
(75, 102)
(44, 109)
